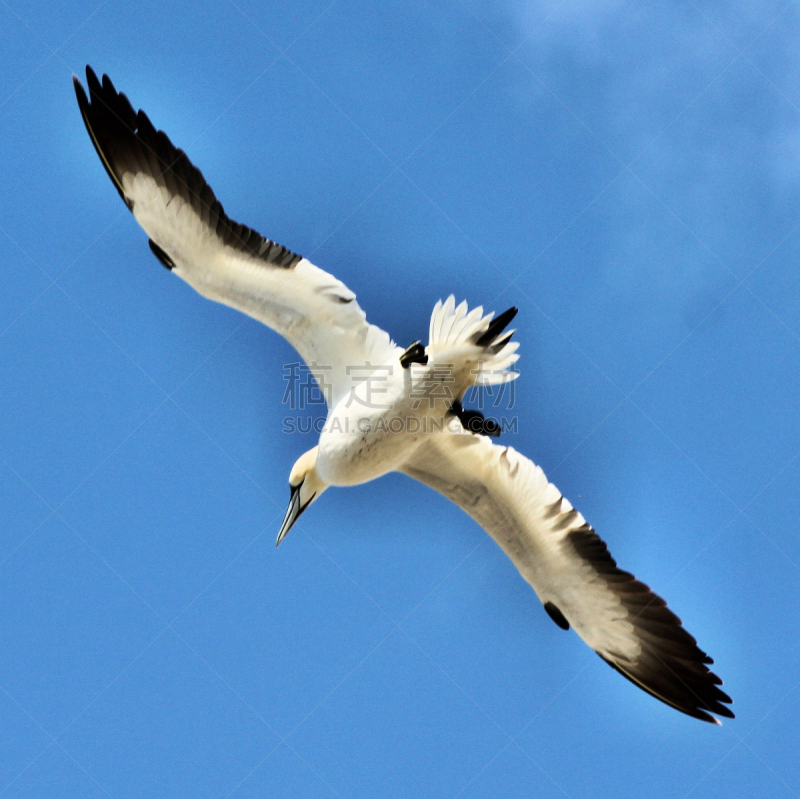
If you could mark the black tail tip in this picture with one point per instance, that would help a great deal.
(79, 90)
(496, 327)
(507, 316)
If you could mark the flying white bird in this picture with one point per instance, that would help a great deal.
(416, 427)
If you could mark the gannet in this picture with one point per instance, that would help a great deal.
(417, 425)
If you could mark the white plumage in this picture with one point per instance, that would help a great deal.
(428, 436)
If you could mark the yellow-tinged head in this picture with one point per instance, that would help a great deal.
(305, 486)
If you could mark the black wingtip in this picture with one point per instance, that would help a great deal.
(80, 93)
(91, 77)
(92, 83)
(697, 709)
(86, 109)
(126, 142)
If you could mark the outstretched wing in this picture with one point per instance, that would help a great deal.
(225, 261)
(571, 570)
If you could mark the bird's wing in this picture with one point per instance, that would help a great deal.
(223, 260)
(570, 569)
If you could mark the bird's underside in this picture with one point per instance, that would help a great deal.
(549, 542)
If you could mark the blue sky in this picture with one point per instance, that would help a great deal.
(627, 174)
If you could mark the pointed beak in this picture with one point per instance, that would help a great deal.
(292, 513)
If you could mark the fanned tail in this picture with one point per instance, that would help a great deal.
(472, 343)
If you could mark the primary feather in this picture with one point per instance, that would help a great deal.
(191, 234)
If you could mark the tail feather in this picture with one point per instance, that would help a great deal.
(500, 342)
(473, 343)
(496, 327)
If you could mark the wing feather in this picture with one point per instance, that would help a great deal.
(191, 234)
(571, 570)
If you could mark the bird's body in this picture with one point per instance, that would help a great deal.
(400, 410)
(391, 409)
(359, 443)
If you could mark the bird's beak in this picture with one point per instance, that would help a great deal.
(293, 512)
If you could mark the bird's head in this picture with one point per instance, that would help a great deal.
(305, 486)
